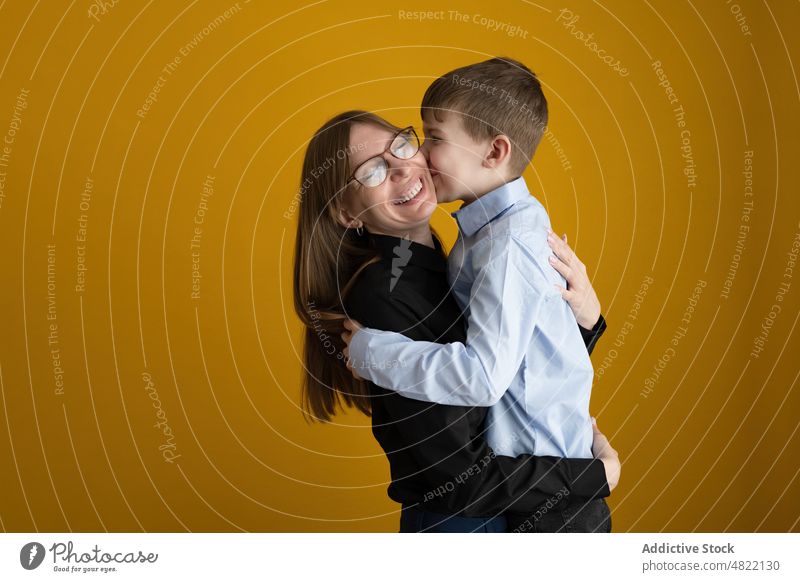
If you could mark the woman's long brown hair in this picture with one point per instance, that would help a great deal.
(328, 258)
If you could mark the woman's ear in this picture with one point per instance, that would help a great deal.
(346, 219)
(499, 151)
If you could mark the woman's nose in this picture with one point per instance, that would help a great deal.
(399, 169)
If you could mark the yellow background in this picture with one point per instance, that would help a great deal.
(712, 447)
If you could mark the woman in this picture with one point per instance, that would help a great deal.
(365, 210)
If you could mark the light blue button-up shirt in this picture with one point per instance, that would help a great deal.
(524, 356)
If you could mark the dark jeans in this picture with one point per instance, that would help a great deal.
(415, 520)
(566, 516)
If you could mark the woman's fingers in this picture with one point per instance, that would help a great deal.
(566, 256)
(555, 243)
(561, 267)
(564, 250)
(574, 281)
(580, 293)
(601, 447)
(561, 249)
(566, 294)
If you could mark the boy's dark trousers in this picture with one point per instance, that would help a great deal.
(416, 520)
(569, 515)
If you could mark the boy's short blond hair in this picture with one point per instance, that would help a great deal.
(498, 96)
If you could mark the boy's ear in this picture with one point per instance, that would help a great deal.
(499, 152)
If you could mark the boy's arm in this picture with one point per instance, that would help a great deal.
(504, 303)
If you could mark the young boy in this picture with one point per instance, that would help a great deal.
(524, 356)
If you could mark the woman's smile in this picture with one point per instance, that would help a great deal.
(415, 193)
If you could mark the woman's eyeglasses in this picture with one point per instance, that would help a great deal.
(373, 172)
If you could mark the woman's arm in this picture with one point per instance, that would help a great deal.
(460, 472)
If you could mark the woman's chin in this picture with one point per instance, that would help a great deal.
(421, 215)
(428, 206)
(417, 215)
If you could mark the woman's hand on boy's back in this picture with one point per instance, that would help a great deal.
(579, 292)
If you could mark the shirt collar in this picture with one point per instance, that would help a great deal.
(421, 255)
(474, 216)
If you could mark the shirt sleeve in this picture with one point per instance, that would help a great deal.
(476, 373)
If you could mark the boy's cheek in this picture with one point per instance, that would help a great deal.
(437, 162)
(442, 170)
(444, 190)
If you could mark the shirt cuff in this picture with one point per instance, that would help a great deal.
(590, 336)
(589, 480)
(359, 348)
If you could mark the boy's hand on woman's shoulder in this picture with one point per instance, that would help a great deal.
(579, 292)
